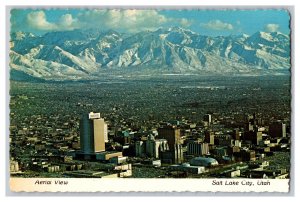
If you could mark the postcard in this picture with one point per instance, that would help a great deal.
(149, 99)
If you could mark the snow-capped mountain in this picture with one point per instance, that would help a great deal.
(81, 54)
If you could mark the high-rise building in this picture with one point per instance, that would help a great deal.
(197, 148)
(237, 143)
(207, 119)
(172, 135)
(254, 137)
(139, 148)
(249, 127)
(178, 154)
(92, 133)
(210, 137)
(248, 155)
(237, 134)
(151, 147)
(277, 129)
(251, 123)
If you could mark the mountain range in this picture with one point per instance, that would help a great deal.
(85, 54)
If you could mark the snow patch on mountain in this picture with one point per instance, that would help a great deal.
(82, 54)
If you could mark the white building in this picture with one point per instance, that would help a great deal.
(154, 147)
(197, 148)
(151, 147)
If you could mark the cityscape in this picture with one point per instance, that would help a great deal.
(81, 130)
(150, 103)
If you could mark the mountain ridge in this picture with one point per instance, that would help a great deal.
(79, 54)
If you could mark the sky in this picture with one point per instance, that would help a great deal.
(205, 22)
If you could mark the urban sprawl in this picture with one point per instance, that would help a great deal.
(166, 130)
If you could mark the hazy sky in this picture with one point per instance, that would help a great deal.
(206, 22)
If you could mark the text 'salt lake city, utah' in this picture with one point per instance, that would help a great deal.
(149, 99)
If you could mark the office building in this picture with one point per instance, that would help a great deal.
(248, 155)
(139, 148)
(171, 134)
(277, 129)
(92, 133)
(207, 119)
(152, 147)
(197, 148)
(249, 127)
(210, 137)
(155, 147)
(178, 154)
(173, 156)
(236, 135)
(253, 137)
(237, 143)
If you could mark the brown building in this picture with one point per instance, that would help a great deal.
(236, 134)
(248, 155)
(171, 134)
(254, 137)
(210, 137)
(277, 129)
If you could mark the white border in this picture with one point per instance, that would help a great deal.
(149, 185)
(133, 3)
